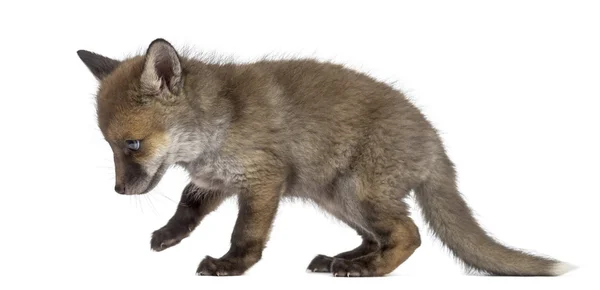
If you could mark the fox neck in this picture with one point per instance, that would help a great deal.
(203, 119)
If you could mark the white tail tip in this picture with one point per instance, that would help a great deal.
(562, 268)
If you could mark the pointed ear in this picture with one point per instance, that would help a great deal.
(162, 69)
(100, 66)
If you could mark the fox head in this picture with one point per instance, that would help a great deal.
(137, 100)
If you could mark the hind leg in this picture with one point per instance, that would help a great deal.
(391, 238)
(322, 263)
(398, 240)
(343, 190)
(385, 216)
(382, 212)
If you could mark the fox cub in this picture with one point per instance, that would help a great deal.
(289, 128)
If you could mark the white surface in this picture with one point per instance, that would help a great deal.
(512, 86)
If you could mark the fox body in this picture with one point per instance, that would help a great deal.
(290, 128)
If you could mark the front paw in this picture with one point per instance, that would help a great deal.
(166, 237)
(220, 267)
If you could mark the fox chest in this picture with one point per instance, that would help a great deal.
(210, 180)
(215, 175)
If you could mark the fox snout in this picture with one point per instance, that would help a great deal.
(133, 182)
(131, 188)
(130, 178)
(120, 188)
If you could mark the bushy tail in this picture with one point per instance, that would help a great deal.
(452, 221)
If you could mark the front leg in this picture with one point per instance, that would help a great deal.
(194, 205)
(257, 207)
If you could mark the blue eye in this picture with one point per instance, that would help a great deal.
(133, 145)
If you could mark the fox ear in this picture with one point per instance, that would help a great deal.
(99, 65)
(162, 69)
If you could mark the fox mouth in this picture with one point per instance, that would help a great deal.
(145, 182)
(156, 178)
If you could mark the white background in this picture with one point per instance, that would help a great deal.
(512, 86)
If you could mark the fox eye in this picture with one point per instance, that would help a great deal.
(133, 145)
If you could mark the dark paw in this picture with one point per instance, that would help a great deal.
(350, 268)
(165, 238)
(320, 264)
(220, 267)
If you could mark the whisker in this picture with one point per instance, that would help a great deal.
(129, 199)
(139, 203)
(148, 198)
(168, 198)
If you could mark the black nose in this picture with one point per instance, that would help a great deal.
(120, 188)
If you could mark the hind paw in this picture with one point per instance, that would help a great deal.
(320, 264)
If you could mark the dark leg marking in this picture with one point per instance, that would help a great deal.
(322, 263)
(195, 204)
